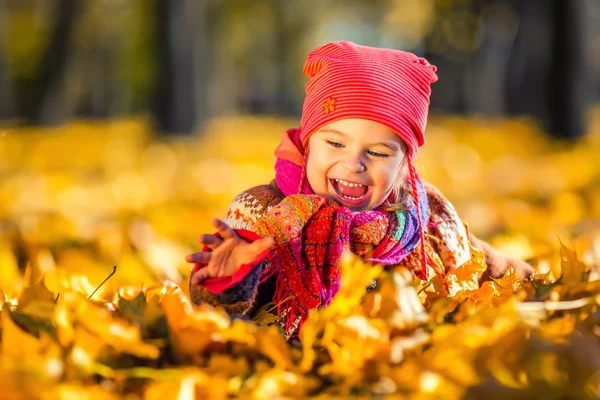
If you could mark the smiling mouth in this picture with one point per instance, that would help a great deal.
(354, 193)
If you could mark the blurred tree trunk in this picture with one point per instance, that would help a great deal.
(36, 97)
(570, 70)
(6, 106)
(543, 73)
(451, 93)
(282, 46)
(290, 24)
(202, 63)
(6, 100)
(548, 75)
(176, 101)
(94, 68)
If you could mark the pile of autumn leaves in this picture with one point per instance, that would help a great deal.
(504, 338)
(449, 338)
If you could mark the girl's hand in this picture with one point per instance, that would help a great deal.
(499, 263)
(227, 255)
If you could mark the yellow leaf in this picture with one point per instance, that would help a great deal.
(395, 300)
(42, 355)
(16, 342)
(401, 345)
(455, 362)
(10, 278)
(352, 342)
(549, 368)
(506, 286)
(274, 346)
(355, 277)
(543, 279)
(35, 287)
(227, 365)
(118, 333)
(86, 348)
(573, 270)
(465, 277)
(192, 329)
(409, 313)
(276, 383)
(580, 290)
(484, 295)
(71, 391)
(433, 289)
(308, 336)
(146, 312)
(192, 384)
(558, 329)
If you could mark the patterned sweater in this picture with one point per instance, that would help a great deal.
(446, 243)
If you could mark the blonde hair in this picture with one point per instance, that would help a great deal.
(401, 194)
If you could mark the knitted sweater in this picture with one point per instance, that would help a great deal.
(446, 242)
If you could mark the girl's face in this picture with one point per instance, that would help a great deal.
(354, 162)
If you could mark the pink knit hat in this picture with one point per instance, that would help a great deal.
(348, 80)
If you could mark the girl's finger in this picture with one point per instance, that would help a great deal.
(202, 257)
(210, 240)
(200, 275)
(224, 229)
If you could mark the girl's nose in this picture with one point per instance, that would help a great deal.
(354, 165)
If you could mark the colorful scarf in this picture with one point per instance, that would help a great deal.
(312, 232)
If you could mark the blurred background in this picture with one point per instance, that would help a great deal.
(184, 62)
(125, 125)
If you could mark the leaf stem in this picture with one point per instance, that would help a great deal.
(107, 278)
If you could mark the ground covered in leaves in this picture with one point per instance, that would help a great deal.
(86, 202)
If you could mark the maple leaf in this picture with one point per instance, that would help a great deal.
(465, 278)
(573, 270)
(146, 313)
(34, 289)
(116, 332)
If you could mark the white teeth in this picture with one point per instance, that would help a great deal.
(345, 183)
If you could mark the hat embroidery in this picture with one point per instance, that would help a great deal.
(329, 105)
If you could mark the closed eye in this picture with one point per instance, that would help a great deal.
(376, 154)
(334, 144)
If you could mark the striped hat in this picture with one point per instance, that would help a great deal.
(348, 80)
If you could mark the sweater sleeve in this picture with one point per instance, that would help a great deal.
(449, 234)
(242, 215)
(452, 239)
(236, 300)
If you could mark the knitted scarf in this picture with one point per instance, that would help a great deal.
(311, 233)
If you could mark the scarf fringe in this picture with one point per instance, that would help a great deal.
(421, 274)
(287, 305)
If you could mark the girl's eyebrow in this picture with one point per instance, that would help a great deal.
(331, 130)
(389, 145)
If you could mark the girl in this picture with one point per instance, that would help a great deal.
(344, 180)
